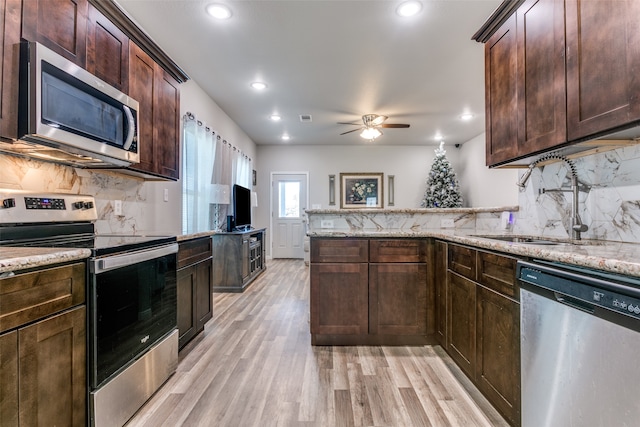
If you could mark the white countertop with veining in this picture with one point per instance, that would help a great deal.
(14, 259)
(622, 258)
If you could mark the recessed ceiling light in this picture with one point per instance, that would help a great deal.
(437, 136)
(466, 116)
(409, 8)
(275, 117)
(286, 137)
(219, 11)
(258, 85)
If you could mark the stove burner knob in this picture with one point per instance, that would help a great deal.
(78, 205)
(9, 203)
(88, 205)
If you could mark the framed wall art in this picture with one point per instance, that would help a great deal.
(361, 190)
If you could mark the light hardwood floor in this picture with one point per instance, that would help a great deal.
(254, 366)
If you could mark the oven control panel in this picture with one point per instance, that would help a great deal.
(27, 207)
(44, 203)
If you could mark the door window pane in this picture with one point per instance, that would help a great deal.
(289, 199)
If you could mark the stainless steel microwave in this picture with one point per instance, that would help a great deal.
(68, 115)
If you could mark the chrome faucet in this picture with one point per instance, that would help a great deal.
(575, 223)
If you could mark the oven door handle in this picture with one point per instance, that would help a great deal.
(102, 265)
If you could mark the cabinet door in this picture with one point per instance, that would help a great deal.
(166, 125)
(440, 279)
(186, 318)
(498, 352)
(461, 322)
(60, 25)
(141, 88)
(52, 371)
(203, 295)
(9, 379)
(541, 76)
(339, 298)
(603, 59)
(107, 51)
(462, 260)
(10, 32)
(398, 299)
(501, 94)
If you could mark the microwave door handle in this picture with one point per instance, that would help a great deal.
(131, 127)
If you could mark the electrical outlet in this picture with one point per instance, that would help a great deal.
(447, 223)
(326, 223)
(117, 207)
(165, 195)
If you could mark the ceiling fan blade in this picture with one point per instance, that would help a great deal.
(394, 125)
(378, 120)
(350, 123)
(349, 131)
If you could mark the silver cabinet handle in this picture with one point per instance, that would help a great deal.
(102, 265)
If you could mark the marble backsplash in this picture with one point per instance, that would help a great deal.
(105, 186)
(610, 204)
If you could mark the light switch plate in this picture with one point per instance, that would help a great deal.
(165, 195)
(326, 223)
(117, 207)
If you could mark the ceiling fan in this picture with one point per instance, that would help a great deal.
(372, 124)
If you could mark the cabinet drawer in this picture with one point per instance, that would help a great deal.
(498, 272)
(192, 251)
(398, 250)
(339, 250)
(31, 296)
(462, 260)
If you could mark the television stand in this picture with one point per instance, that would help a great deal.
(238, 258)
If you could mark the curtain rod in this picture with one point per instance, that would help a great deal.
(190, 116)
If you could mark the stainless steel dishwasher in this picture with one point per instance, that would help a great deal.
(580, 346)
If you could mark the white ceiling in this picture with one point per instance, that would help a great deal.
(335, 60)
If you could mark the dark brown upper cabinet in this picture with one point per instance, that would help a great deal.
(60, 25)
(10, 31)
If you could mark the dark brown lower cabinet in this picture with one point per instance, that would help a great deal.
(498, 351)
(194, 292)
(483, 322)
(398, 299)
(339, 299)
(439, 285)
(461, 322)
(43, 372)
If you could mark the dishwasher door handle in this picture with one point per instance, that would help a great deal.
(574, 302)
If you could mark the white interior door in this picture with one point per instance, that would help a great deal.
(288, 202)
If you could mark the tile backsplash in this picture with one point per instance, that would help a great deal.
(610, 204)
(105, 186)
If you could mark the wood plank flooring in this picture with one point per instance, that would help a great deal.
(254, 366)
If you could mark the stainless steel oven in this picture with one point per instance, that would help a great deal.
(131, 287)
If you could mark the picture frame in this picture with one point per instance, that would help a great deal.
(362, 190)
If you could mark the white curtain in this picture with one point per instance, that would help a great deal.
(231, 167)
(198, 160)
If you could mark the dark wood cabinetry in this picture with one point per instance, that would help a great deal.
(239, 257)
(10, 21)
(43, 347)
(60, 25)
(483, 329)
(439, 284)
(194, 291)
(159, 119)
(558, 73)
(603, 58)
(370, 291)
(107, 51)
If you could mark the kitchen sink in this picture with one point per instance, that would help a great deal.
(532, 240)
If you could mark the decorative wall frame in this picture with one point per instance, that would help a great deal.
(361, 190)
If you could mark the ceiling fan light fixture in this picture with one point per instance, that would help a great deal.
(370, 133)
(219, 11)
(409, 8)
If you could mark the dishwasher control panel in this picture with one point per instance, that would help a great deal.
(584, 291)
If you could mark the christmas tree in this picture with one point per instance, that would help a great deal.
(443, 190)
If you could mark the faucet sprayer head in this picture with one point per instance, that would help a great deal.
(522, 182)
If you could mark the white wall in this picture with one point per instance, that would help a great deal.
(481, 186)
(409, 164)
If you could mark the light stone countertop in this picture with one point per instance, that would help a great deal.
(616, 257)
(369, 211)
(14, 258)
(191, 236)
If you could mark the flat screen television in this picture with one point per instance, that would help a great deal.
(242, 207)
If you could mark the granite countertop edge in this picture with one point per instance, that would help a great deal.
(616, 257)
(15, 259)
(411, 211)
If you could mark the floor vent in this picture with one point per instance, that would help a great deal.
(305, 118)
